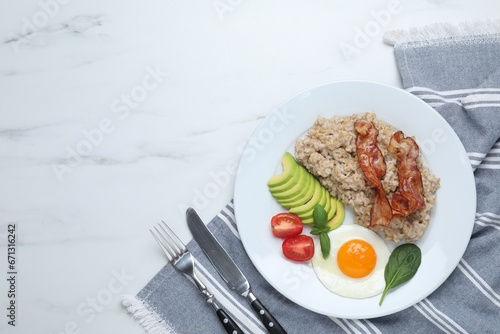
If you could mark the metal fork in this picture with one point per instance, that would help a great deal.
(183, 261)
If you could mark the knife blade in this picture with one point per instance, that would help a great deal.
(228, 270)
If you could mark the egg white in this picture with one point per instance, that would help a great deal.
(335, 280)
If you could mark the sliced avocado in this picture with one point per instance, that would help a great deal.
(333, 208)
(296, 189)
(294, 179)
(289, 168)
(331, 213)
(339, 216)
(308, 221)
(328, 203)
(303, 196)
(323, 199)
(316, 197)
(306, 207)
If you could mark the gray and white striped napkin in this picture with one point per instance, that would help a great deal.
(456, 69)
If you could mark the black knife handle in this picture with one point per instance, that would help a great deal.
(272, 325)
(228, 323)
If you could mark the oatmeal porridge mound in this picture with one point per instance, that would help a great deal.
(328, 151)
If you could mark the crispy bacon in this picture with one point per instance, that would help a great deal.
(373, 166)
(381, 212)
(409, 196)
(369, 156)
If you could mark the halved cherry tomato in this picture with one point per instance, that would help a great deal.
(286, 225)
(299, 248)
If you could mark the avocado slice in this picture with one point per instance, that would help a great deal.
(308, 221)
(289, 169)
(294, 179)
(315, 199)
(325, 198)
(304, 196)
(305, 193)
(295, 189)
(331, 213)
(328, 203)
(333, 208)
(339, 216)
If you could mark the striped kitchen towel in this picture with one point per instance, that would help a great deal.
(456, 69)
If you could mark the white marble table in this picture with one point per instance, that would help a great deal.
(118, 114)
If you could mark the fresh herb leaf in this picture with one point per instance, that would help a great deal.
(316, 231)
(324, 241)
(319, 230)
(320, 216)
(401, 267)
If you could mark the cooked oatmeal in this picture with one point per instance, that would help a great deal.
(328, 151)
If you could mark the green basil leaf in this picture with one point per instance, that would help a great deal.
(316, 231)
(401, 267)
(320, 216)
(319, 230)
(324, 240)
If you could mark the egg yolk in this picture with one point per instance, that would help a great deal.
(356, 258)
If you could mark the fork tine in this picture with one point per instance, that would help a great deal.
(164, 244)
(182, 260)
(177, 242)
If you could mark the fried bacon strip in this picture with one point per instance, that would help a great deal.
(409, 196)
(373, 166)
(381, 212)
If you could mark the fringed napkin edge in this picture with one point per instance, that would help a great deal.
(442, 30)
(146, 316)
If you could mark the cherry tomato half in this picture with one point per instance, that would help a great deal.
(299, 248)
(286, 225)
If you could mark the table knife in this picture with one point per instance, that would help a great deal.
(228, 270)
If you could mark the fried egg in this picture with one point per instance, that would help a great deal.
(355, 267)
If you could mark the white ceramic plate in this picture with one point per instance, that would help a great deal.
(452, 219)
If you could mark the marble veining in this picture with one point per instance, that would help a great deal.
(76, 25)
